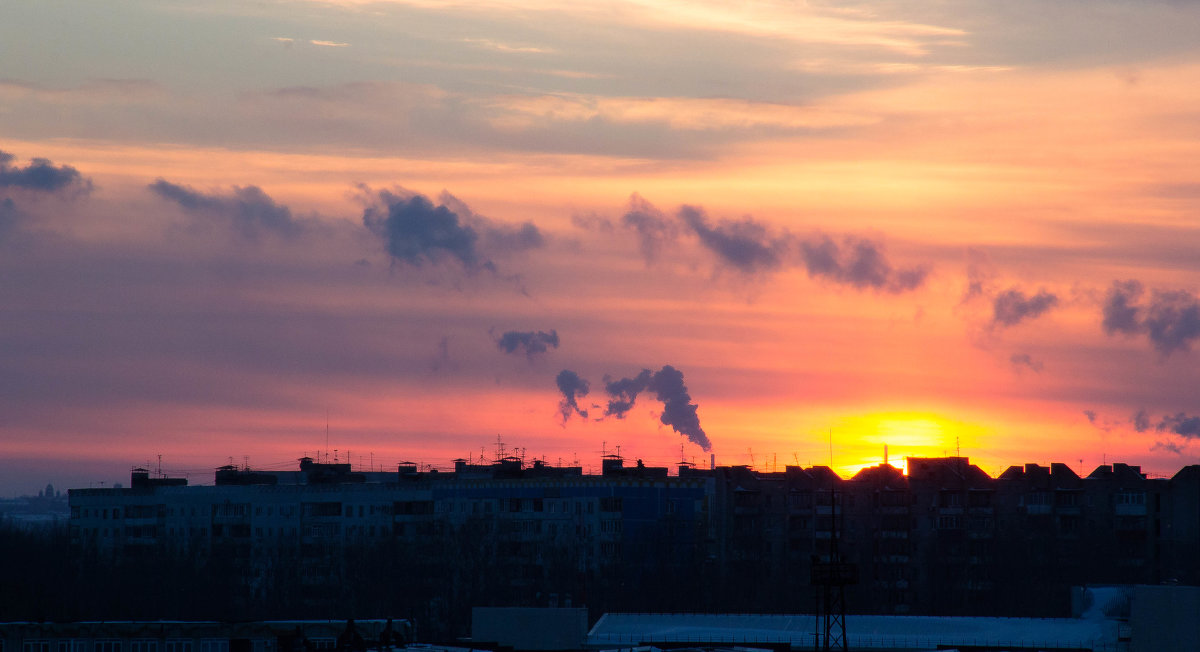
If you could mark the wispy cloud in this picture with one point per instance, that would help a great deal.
(489, 44)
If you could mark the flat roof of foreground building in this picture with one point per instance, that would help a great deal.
(862, 632)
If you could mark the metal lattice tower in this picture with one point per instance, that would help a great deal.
(831, 578)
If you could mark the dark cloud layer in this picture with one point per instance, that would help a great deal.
(249, 211)
(529, 342)
(667, 384)
(1170, 319)
(8, 216)
(41, 175)
(1012, 307)
(573, 387)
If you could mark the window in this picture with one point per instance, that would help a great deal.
(1128, 497)
(106, 646)
(949, 522)
(35, 645)
(143, 645)
(1066, 499)
(178, 645)
(214, 645)
(231, 510)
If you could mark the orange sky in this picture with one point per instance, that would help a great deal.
(967, 228)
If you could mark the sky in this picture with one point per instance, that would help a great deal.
(764, 232)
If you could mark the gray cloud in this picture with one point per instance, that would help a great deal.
(41, 175)
(1011, 307)
(1171, 319)
(1168, 446)
(979, 274)
(678, 410)
(1180, 424)
(249, 211)
(530, 342)
(1091, 415)
(1120, 311)
(1140, 420)
(667, 384)
(1024, 360)
(654, 229)
(573, 387)
(623, 393)
(496, 238)
(752, 247)
(743, 244)
(858, 262)
(416, 232)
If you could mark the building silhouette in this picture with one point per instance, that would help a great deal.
(944, 539)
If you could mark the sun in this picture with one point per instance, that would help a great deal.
(864, 441)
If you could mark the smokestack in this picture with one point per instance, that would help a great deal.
(712, 461)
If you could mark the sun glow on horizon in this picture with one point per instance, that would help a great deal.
(863, 441)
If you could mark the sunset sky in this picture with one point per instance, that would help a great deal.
(229, 228)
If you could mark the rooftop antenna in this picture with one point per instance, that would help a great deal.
(957, 450)
(326, 437)
(751, 451)
(160, 473)
(885, 458)
(831, 448)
